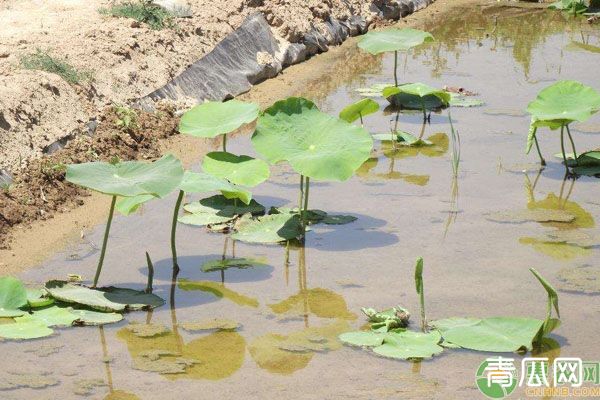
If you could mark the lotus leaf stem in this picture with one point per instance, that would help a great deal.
(301, 194)
(562, 146)
(225, 142)
(572, 143)
(105, 240)
(361, 119)
(305, 213)
(150, 273)
(537, 147)
(396, 68)
(174, 229)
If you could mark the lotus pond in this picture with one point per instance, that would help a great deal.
(244, 320)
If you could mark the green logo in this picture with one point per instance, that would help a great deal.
(497, 377)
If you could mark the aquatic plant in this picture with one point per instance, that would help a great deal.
(212, 118)
(417, 96)
(558, 105)
(316, 145)
(394, 39)
(359, 110)
(573, 7)
(420, 291)
(126, 179)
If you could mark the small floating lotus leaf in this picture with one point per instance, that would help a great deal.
(240, 263)
(128, 178)
(315, 144)
(219, 290)
(133, 300)
(418, 89)
(146, 330)
(210, 324)
(359, 109)
(565, 102)
(407, 344)
(529, 215)
(499, 334)
(211, 119)
(12, 296)
(338, 219)
(374, 90)
(25, 330)
(366, 339)
(38, 298)
(50, 316)
(203, 219)
(201, 183)
(77, 294)
(585, 279)
(272, 228)
(224, 207)
(239, 170)
(87, 317)
(393, 39)
(457, 100)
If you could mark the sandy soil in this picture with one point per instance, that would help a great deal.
(125, 59)
(23, 244)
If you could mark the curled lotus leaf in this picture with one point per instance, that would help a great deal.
(211, 119)
(315, 144)
(393, 39)
(419, 90)
(239, 170)
(128, 178)
(13, 295)
(38, 298)
(358, 110)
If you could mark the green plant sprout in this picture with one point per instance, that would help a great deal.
(393, 39)
(316, 145)
(421, 291)
(359, 110)
(455, 162)
(556, 107)
(150, 273)
(126, 179)
(211, 119)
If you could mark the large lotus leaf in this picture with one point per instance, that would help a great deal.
(359, 110)
(272, 228)
(25, 330)
(239, 263)
(77, 294)
(565, 102)
(12, 296)
(499, 334)
(38, 298)
(128, 178)
(407, 344)
(211, 119)
(133, 300)
(418, 89)
(393, 39)
(239, 170)
(315, 144)
(87, 317)
(50, 316)
(193, 182)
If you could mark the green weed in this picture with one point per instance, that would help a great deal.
(143, 11)
(42, 60)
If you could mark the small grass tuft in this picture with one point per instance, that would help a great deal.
(42, 60)
(144, 11)
(127, 118)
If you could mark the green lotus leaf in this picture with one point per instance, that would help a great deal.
(374, 90)
(13, 295)
(203, 219)
(588, 171)
(132, 300)
(239, 263)
(564, 102)
(128, 178)
(193, 182)
(457, 100)
(420, 90)
(129, 205)
(269, 229)
(552, 295)
(366, 339)
(407, 344)
(25, 330)
(76, 294)
(315, 144)
(588, 163)
(239, 170)
(223, 207)
(50, 316)
(211, 119)
(393, 39)
(93, 318)
(359, 110)
(38, 298)
(499, 334)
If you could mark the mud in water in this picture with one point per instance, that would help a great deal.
(283, 318)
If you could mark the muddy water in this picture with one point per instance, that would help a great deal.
(407, 204)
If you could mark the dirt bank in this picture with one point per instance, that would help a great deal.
(56, 206)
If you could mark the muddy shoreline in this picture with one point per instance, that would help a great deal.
(28, 237)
